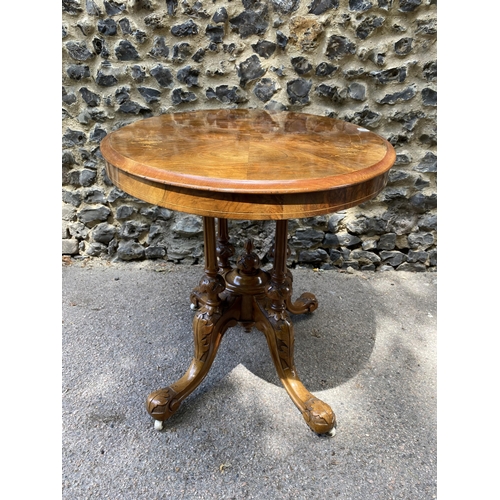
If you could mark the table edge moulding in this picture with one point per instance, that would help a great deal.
(255, 165)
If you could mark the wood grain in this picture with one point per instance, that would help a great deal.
(248, 164)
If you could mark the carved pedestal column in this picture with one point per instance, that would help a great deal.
(251, 297)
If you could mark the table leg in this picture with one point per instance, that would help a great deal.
(209, 324)
(272, 319)
(251, 297)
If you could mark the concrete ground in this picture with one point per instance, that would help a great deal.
(369, 351)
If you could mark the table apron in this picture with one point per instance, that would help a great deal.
(243, 205)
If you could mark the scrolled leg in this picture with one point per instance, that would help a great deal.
(273, 320)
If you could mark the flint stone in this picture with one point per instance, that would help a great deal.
(369, 226)
(366, 118)
(125, 51)
(332, 93)
(73, 138)
(220, 15)
(129, 250)
(72, 197)
(68, 97)
(184, 250)
(156, 213)
(91, 98)
(97, 214)
(92, 8)
(163, 76)
(415, 267)
(364, 257)
(313, 256)
(306, 238)
(125, 26)
(149, 95)
(427, 26)
(360, 5)
(93, 196)
(188, 76)
(171, 7)
(404, 95)
(334, 220)
(339, 47)
(430, 71)
(409, 5)
(275, 106)
(215, 33)
(155, 252)
(301, 65)
(424, 202)
(78, 72)
(250, 22)
(188, 225)
(429, 97)
(70, 247)
(78, 230)
(428, 163)
(199, 55)
(389, 75)
(107, 27)
(368, 26)
(343, 239)
(356, 91)
(79, 51)
(403, 46)
(393, 258)
(225, 94)
(133, 108)
(132, 229)
(318, 7)
(114, 8)
(180, 96)
(103, 233)
(71, 6)
(298, 91)
(188, 28)
(95, 249)
(138, 73)
(124, 212)
(181, 52)
(281, 39)
(264, 48)
(413, 257)
(87, 177)
(428, 222)
(286, 6)
(420, 240)
(265, 89)
(325, 69)
(105, 80)
(387, 241)
(249, 70)
(159, 48)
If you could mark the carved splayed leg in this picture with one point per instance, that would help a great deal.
(212, 319)
(273, 320)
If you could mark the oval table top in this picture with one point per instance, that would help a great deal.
(247, 163)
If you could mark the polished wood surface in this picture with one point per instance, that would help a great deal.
(248, 164)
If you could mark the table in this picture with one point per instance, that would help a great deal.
(255, 165)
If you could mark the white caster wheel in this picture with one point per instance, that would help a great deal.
(193, 307)
(332, 432)
(158, 425)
